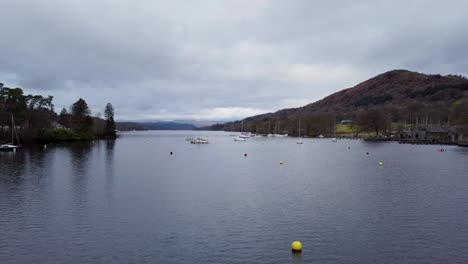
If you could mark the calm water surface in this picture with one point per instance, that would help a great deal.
(129, 201)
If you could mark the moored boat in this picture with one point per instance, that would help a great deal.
(300, 141)
(245, 135)
(199, 140)
(8, 147)
(11, 146)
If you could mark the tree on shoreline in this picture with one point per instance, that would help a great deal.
(110, 124)
(80, 117)
(36, 119)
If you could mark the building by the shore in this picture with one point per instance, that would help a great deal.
(429, 134)
(435, 134)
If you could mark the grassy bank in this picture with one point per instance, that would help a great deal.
(63, 135)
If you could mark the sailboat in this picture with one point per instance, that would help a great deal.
(277, 134)
(300, 141)
(243, 136)
(11, 146)
(269, 127)
(334, 130)
(257, 135)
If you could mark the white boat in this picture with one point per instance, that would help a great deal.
(270, 135)
(199, 140)
(321, 136)
(277, 129)
(245, 135)
(11, 146)
(8, 147)
(240, 139)
(300, 141)
(334, 140)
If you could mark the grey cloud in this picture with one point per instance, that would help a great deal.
(182, 58)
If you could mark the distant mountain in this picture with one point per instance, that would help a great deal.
(168, 126)
(128, 126)
(398, 96)
(199, 123)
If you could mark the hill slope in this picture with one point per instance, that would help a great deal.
(397, 95)
(394, 87)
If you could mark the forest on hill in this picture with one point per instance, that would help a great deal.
(35, 119)
(386, 102)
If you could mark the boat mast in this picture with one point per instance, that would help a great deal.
(13, 131)
(334, 127)
(12, 127)
(16, 134)
(299, 128)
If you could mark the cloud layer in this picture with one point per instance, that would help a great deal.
(220, 60)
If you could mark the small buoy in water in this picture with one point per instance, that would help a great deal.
(245, 154)
(367, 153)
(349, 147)
(45, 146)
(171, 152)
(380, 164)
(296, 246)
(281, 162)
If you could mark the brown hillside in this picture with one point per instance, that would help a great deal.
(394, 87)
(404, 95)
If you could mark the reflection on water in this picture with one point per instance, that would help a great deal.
(110, 144)
(296, 257)
(80, 155)
(13, 165)
(129, 201)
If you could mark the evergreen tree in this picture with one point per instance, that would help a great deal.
(64, 118)
(81, 121)
(110, 124)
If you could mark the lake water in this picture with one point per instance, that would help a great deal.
(130, 201)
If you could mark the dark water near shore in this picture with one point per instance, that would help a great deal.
(129, 201)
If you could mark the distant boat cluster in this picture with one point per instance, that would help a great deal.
(198, 140)
(246, 135)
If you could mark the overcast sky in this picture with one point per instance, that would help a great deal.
(220, 60)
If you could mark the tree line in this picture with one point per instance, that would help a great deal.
(369, 120)
(36, 120)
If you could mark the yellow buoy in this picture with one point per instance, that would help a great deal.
(281, 162)
(380, 164)
(296, 246)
